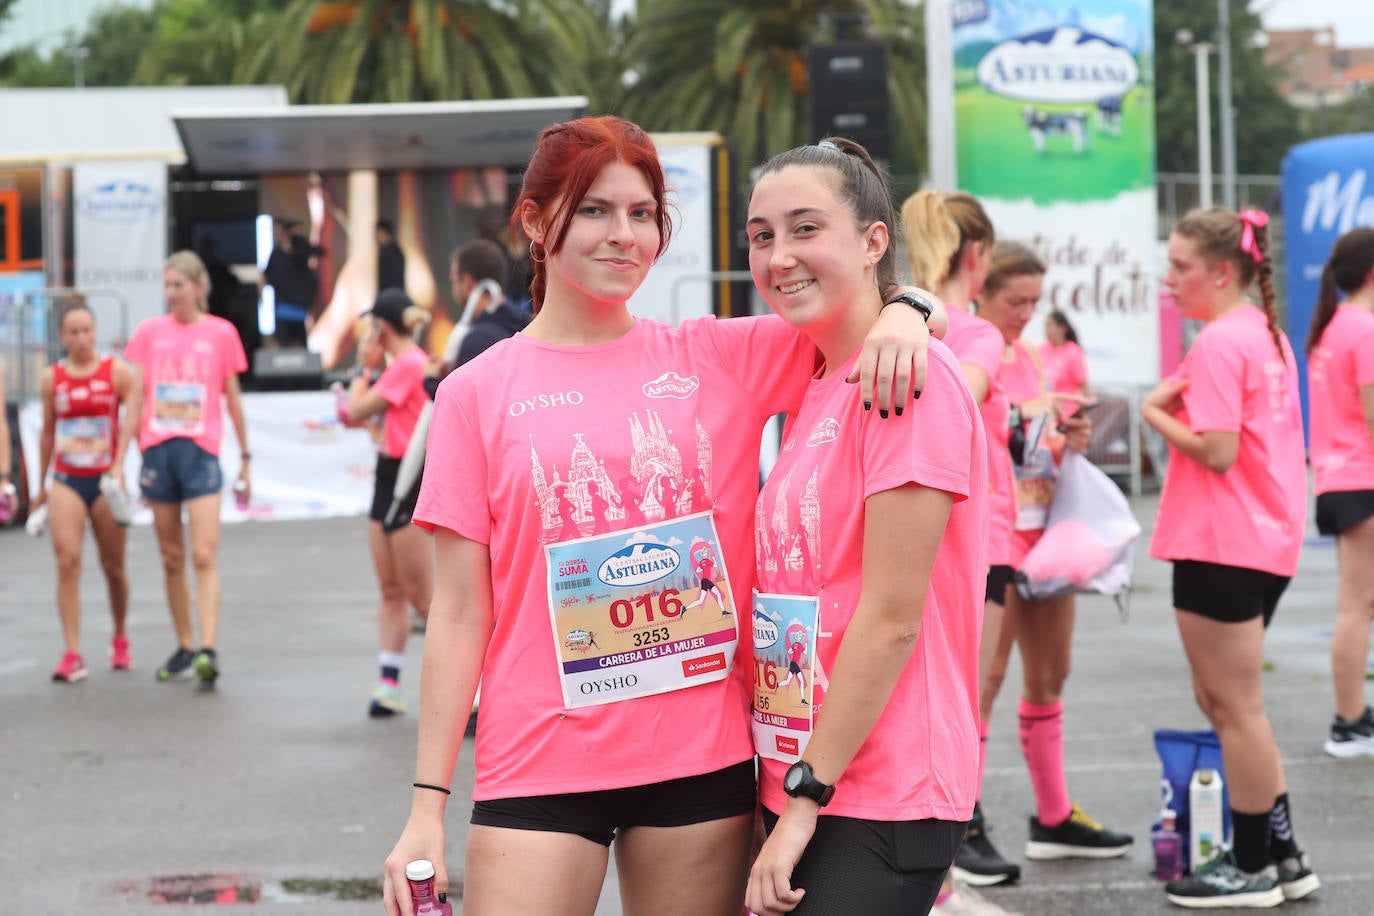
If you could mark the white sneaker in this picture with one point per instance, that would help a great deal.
(967, 902)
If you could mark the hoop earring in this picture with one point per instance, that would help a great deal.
(535, 259)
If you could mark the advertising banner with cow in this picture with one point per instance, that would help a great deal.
(1054, 106)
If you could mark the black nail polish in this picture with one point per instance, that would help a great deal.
(443, 898)
(868, 405)
(882, 412)
(916, 395)
(897, 410)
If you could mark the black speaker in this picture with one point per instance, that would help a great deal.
(288, 369)
(849, 94)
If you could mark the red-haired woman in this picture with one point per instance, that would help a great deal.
(1340, 371)
(570, 470)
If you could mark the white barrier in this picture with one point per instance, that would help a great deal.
(305, 463)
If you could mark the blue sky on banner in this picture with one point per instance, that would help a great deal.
(1126, 22)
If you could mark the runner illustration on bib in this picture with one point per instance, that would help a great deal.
(704, 565)
(179, 409)
(785, 654)
(619, 625)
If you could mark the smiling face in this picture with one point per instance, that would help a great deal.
(809, 260)
(1192, 281)
(611, 241)
(1012, 306)
(78, 334)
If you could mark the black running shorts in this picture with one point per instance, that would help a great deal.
(1226, 594)
(1341, 510)
(598, 815)
(877, 868)
(999, 577)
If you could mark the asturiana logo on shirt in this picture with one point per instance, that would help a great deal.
(638, 563)
(826, 431)
(672, 385)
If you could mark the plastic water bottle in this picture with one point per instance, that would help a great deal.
(1205, 817)
(9, 501)
(241, 495)
(340, 401)
(113, 492)
(420, 874)
(37, 525)
(1168, 846)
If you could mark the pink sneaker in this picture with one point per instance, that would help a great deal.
(71, 669)
(120, 660)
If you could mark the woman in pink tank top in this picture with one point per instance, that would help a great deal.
(1231, 522)
(82, 396)
(1340, 367)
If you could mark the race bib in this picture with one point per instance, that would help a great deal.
(785, 690)
(641, 612)
(178, 408)
(1035, 477)
(84, 442)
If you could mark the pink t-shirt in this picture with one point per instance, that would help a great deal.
(1066, 368)
(1341, 364)
(1252, 515)
(184, 368)
(921, 759)
(534, 444)
(977, 342)
(402, 385)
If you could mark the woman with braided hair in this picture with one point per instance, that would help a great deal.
(1231, 521)
(1340, 375)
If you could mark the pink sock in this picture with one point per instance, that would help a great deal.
(982, 752)
(943, 897)
(1042, 743)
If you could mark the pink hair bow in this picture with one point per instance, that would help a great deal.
(1252, 220)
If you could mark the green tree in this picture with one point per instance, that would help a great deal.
(427, 50)
(1266, 125)
(205, 42)
(738, 67)
(112, 42)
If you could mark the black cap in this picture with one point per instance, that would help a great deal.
(391, 307)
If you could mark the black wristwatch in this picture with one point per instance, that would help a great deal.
(800, 782)
(915, 300)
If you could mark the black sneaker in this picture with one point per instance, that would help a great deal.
(179, 665)
(978, 862)
(1352, 739)
(1079, 837)
(1221, 884)
(1296, 879)
(207, 666)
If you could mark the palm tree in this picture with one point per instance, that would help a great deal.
(739, 67)
(334, 51)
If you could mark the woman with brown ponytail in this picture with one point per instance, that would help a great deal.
(1340, 376)
(1231, 521)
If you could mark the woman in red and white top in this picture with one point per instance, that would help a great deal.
(1231, 522)
(402, 554)
(1043, 629)
(1340, 372)
(574, 472)
(81, 397)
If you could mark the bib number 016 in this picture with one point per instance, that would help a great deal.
(666, 604)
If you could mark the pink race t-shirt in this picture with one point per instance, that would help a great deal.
(402, 385)
(1339, 366)
(1066, 368)
(1252, 515)
(921, 759)
(977, 342)
(537, 449)
(184, 368)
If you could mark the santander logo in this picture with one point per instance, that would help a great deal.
(672, 385)
(826, 431)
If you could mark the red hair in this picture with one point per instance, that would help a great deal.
(567, 159)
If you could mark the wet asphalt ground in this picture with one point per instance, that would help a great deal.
(276, 791)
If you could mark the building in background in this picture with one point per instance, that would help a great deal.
(1318, 72)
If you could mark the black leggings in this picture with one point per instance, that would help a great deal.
(878, 868)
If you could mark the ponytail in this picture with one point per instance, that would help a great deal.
(933, 240)
(1346, 271)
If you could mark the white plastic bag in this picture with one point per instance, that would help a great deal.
(1089, 539)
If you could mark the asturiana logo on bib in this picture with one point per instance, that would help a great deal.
(1059, 65)
(672, 385)
(120, 202)
(638, 563)
(765, 631)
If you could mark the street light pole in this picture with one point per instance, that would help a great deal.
(1227, 110)
(1204, 125)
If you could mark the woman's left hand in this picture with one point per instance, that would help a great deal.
(770, 880)
(892, 365)
(1167, 396)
